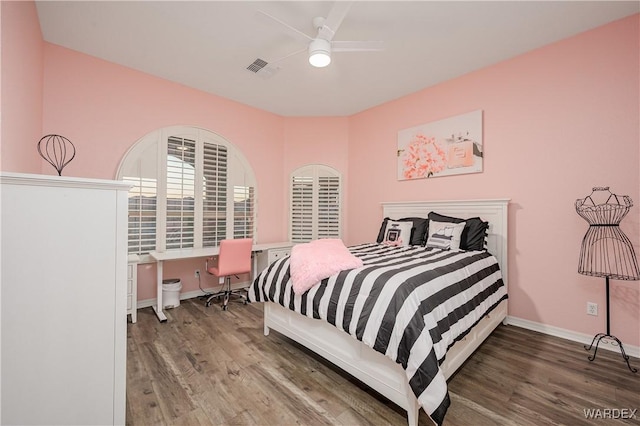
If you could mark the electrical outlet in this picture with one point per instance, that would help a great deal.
(592, 308)
(197, 273)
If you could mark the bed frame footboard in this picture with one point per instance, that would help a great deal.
(370, 367)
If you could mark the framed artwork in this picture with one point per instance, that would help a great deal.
(450, 146)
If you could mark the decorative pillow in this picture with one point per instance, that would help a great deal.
(312, 262)
(474, 234)
(397, 233)
(445, 235)
(418, 231)
(383, 227)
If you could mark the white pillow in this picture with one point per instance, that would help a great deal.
(397, 233)
(445, 235)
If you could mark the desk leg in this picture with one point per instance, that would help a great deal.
(254, 271)
(254, 255)
(158, 308)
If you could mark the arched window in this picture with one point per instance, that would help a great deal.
(316, 201)
(191, 189)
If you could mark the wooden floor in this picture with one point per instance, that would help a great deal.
(210, 367)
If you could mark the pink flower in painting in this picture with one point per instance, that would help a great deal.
(423, 157)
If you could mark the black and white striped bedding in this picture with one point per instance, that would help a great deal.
(409, 303)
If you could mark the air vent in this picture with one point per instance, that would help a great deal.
(262, 68)
(257, 65)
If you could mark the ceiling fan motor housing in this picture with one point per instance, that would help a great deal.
(319, 52)
(318, 22)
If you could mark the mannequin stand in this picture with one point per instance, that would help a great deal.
(598, 337)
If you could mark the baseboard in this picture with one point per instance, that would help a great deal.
(189, 294)
(183, 296)
(585, 339)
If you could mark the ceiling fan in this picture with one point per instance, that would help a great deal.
(322, 44)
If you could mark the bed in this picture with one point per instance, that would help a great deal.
(413, 374)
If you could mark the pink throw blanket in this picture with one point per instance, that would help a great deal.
(312, 262)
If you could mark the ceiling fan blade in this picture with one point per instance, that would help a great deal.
(291, 31)
(335, 17)
(275, 61)
(357, 46)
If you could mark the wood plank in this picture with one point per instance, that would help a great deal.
(208, 366)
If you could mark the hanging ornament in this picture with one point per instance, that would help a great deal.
(57, 151)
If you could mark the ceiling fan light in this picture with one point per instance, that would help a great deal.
(320, 59)
(319, 53)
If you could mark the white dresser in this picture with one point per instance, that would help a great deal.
(64, 300)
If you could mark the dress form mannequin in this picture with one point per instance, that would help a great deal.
(606, 251)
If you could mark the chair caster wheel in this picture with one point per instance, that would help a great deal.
(224, 308)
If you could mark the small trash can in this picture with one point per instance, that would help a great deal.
(171, 292)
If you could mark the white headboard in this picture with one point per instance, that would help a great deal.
(493, 211)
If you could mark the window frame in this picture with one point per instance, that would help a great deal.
(241, 175)
(314, 172)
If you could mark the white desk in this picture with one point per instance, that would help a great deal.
(161, 256)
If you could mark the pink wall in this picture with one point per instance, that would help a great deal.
(557, 121)
(104, 108)
(317, 140)
(22, 71)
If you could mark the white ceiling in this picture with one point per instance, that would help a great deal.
(207, 45)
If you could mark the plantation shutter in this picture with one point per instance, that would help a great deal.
(243, 211)
(328, 207)
(214, 227)
(315, 203)
(181, 177)
(142, 215)
(301, 208)
(141, 173)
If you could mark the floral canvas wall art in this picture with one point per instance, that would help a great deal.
(450, 146)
